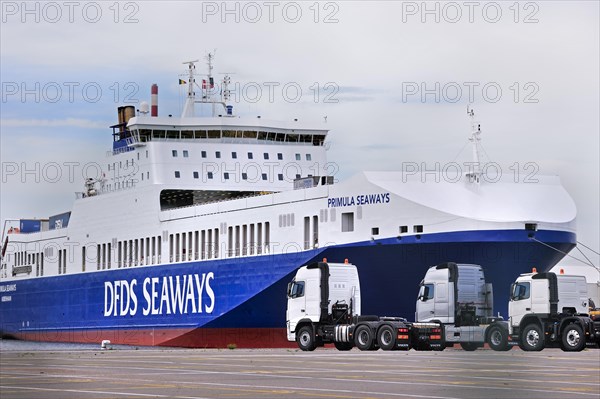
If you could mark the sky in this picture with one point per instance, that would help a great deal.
(393, 79)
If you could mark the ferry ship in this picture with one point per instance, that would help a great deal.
(197, 223)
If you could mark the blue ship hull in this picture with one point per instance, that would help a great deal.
(242, 301)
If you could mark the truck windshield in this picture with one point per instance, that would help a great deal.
(520, 291)
(426, 292)
(296, 289)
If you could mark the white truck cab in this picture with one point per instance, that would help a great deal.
(531, 294)
(458, 296)
(305, 294)
(546, 309)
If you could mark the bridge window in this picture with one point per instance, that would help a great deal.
(214, 134)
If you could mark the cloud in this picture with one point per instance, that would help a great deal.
(67, 122)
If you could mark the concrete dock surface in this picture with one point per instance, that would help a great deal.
(126, 372)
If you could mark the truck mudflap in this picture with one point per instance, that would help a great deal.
(427, 336)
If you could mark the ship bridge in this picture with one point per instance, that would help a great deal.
(200, 159)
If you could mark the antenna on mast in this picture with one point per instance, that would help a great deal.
(188, 110)
(206, 89)
(475, 138)
(210, 83)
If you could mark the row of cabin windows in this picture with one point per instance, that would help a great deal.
(417, 228)
(348, 225)
(62, 261)
(113, 166)
(248, 239)
(234, 155)
(135, 252)
(194, 245)
(126, 184)
(149, 134)
(228, 175)
(23, 258)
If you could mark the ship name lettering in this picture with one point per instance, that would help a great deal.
(162, 295)
(362, 199)
(120, 298)
(178, 294)
(8, 288)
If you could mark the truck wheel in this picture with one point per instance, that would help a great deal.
(306, 339)
(363, 338)
(532, 338)
(469, 346)
(386, 338)
(498, 339)
(573, 339)
(343, 346)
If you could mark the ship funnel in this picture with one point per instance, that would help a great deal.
(154, 100)
(125, 113)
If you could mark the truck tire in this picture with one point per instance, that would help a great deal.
(306, 339)
(573, 339)
(363, 338)
(498, 339)
(386, 338)
(343, 346)
(532, 338)
(469, 346)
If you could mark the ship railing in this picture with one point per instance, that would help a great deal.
(224, 140)
(119, 150)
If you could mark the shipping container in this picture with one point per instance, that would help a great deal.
(60, 221)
